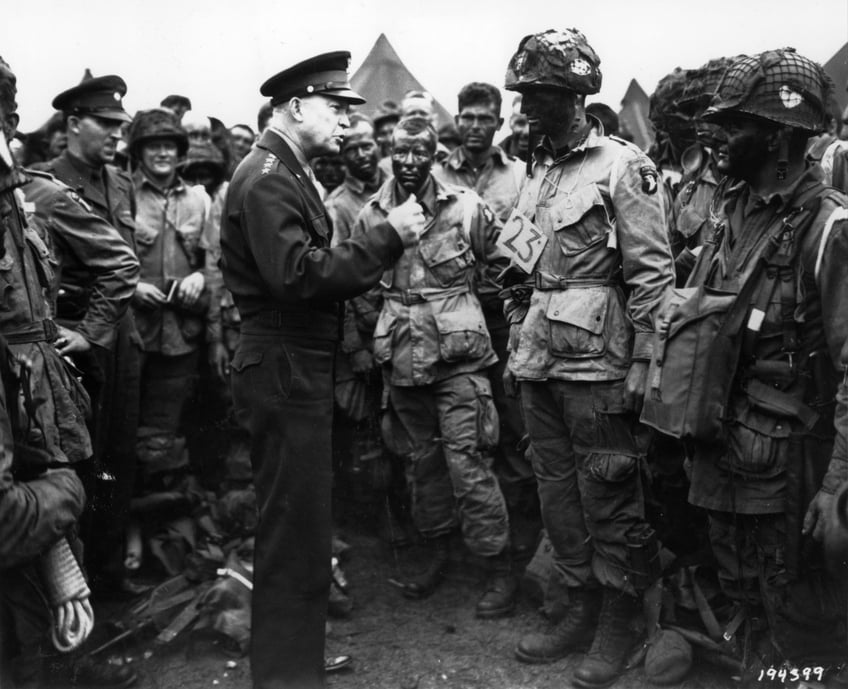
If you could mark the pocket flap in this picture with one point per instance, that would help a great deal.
(243, 360)
(145, 235)
(385, 324)
(585, 308)
(465, 320)
(576, 205)
(446, 247)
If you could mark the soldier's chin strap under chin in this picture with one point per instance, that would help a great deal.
(782, 156)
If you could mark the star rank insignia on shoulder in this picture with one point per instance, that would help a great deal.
(269, 161)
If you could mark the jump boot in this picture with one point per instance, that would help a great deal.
(573, 632)
(501, 589)
(613, 642)
(422, 585)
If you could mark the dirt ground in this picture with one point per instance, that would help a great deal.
(436, 643)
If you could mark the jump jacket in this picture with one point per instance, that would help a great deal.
(431, 323)
(605, 264)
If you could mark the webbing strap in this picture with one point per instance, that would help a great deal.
(838, 214)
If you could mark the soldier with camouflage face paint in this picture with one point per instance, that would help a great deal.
(768, 485)
(589, 228)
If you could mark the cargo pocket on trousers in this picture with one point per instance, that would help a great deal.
(576, 321)
(758, 443)
(488, 424)
(610, 487)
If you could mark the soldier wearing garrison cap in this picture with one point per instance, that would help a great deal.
(94, 117)
(287, 283)
(592, 258)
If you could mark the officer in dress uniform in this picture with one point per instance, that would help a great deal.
(94, 115)
(288, 285)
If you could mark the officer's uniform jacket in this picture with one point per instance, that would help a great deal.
(759, 445)
(603, 269)
(169, 225)
(275, 241)
(108, 190)
(431, 324)
(89, 248)
(498, 182)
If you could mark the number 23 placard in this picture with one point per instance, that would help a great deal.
(522, 241)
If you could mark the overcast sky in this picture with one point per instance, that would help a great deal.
(218, 53)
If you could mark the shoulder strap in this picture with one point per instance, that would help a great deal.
(469, 205)
(518, 174)
(838, 214)
(615, 174)
(803, 212)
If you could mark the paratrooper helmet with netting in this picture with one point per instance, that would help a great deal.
(700, 86)
(778, 85)
(555, 59)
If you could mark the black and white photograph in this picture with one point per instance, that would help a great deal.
(480, 345)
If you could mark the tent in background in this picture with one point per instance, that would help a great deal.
(383, 76)
(837, 68)
(633, 119)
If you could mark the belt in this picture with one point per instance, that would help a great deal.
(318, 324)
(546, 281)
(409, 297)
(37, 331)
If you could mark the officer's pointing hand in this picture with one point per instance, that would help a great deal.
(408, 220)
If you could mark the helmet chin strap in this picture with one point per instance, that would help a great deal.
(782, 156)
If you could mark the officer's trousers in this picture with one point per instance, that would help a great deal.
(283, 396)
(586, 457)
(114, 426)
(457, 414)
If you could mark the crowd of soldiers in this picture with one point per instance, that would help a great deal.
(642, 352)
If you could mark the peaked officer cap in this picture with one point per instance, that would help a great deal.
(100, 96)
(325, 74)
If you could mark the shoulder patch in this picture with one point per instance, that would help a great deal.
(648, 173)
(58, 186)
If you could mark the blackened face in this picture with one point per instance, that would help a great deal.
(360, 152)
(329, 170)
(412, 159)
(521, 131)
(549, 111)
(742, 154)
